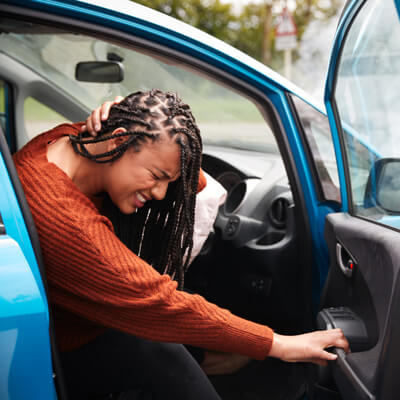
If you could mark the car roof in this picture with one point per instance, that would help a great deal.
(166, 23)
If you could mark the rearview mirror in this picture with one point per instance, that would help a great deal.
(383, 187)
(99, 71)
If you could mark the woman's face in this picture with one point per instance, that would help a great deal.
(142, 176)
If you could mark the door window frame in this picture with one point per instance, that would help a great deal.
(350, 15)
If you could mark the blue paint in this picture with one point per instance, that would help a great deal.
(24, 320)
(397, 3)
(19, 293)
(15, 224)
(24, 342)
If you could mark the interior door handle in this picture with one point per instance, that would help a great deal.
(346, 263)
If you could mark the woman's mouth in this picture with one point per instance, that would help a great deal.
(139, 200)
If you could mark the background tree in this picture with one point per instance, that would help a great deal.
(253, 29)
(210, 16)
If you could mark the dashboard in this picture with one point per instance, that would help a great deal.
(258, 208)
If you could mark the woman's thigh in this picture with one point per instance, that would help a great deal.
(118, 362)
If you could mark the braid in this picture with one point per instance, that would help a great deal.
(160, 232)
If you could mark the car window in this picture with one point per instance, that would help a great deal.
(224, 116)
(319, 142)
(39, 118)
(368, 103)
(3, 106)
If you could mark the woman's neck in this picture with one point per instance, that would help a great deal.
(86, 174)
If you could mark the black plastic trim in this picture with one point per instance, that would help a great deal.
(11, 137)
(30, 226)
(2, 227)
(343, 367)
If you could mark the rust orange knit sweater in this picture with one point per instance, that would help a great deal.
(95, 282)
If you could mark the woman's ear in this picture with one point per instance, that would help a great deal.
(115, 142)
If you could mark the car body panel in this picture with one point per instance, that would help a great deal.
(24, 318)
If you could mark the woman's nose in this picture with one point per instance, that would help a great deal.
(159, 190)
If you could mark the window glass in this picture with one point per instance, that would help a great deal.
(224, 116)
(318, 135)
(368, 103)
(39, 118)
(3, 96)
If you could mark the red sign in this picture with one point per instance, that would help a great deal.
(285, 31)
(286, 25)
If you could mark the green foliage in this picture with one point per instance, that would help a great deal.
(210, 16)
(253, 30)
(250, 30)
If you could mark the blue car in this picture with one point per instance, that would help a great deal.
(309, 234)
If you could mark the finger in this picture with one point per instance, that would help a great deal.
(343, 344)
(105, 109)
(340, 340)
(95, 117)
(89, 126)
(83, 128)
(325, 355)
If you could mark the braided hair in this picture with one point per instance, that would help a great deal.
(160, 232)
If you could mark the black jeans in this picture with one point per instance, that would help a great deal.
(117, 362)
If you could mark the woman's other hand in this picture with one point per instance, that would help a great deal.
(93, 121)
(309, 347)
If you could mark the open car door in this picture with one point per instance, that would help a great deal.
(362, 292)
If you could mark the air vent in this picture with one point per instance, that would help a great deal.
(278, 212)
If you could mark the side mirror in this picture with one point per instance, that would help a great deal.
(99, 71)
(383, 186)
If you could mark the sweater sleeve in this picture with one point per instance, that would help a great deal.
(95, 276)
(202, 181)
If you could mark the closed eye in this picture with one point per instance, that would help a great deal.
(155, 177)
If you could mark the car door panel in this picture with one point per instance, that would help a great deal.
(24, 341)
(373, 293)
(365, 240)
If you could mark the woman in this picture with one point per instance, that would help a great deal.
(115, 300)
